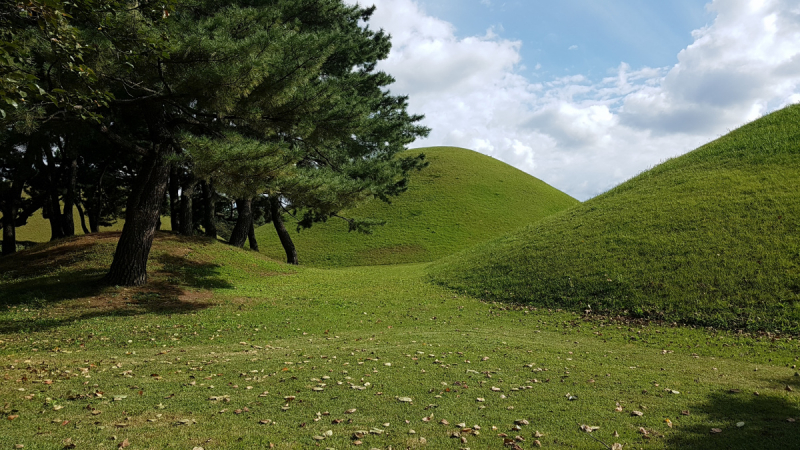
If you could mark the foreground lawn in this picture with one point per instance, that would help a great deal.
(226, 349)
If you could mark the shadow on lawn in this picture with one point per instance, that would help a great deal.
(765, 424)
(46, 281)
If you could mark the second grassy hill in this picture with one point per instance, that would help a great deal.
(463, 198)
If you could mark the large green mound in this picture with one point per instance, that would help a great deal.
(710, 238)
(461, 199)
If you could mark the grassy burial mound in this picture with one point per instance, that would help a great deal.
(710, 238)
(461, 199)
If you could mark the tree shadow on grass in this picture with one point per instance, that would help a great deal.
(765, 424)
(54, 282)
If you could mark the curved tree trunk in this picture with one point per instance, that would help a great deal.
(251, 237)
(209, 210)
(83, 218)
(240, 232)
(283, 235)
(129, 267)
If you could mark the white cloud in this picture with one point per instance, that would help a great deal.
(584, 136)
(573, 47)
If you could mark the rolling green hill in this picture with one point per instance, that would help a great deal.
(711, 237)
(461, 199)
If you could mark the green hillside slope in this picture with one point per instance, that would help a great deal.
(710, 237)
(461, 199)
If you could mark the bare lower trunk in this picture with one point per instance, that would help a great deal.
(240, 232)
(9, 226)
(94, 206)
(67, 220)
(283, 235)
(209, 210)
(251, 237)
(186, 219)
(83, 218)
(174, 202)
(129, 267)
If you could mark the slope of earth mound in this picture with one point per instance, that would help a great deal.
(461, 199)
(711, 238)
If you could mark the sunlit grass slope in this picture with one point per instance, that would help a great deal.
(461, 199)
(710, 237)
(226, 349)
(37, 229)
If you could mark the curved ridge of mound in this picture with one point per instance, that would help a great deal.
(461, 199)
(711, 237)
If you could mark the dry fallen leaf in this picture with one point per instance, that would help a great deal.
(716, 430)
(124, 444)
(588, 428)
(616, 446)
(637, 413)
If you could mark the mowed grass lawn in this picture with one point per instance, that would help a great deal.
(228, 349)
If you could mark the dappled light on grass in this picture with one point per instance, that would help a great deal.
(61, 282)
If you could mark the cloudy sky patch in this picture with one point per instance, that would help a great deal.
(585, 119)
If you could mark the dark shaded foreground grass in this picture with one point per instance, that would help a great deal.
(709, 238)
(281, 356)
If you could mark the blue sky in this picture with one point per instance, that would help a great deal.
(586, 94)
(581, 36)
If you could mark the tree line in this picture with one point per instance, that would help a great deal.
(220, 114)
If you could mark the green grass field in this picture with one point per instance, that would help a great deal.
(461, 199)
(228, 349)
(710, 238)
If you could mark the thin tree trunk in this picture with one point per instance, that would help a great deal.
(283, 235)
(129, 267)
(209, 210)
(174, 202)
(52, 207)
(251, 237)
(10, 210)
(67, 219)
(95, 205)
(186, 219)
(240, 232)
(83, 218)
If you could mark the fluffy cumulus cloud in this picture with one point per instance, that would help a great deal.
(584, 136)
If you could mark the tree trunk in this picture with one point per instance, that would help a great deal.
(53, 210)
(129, 267)
(9, 234)
(10, 209)
(209, 210)
(83, 218)
(251, 237)
(240, 232)
(186, 220)
(67, 220)
(94, 207)
(283, 235)
(52, 207)
(174, 202)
